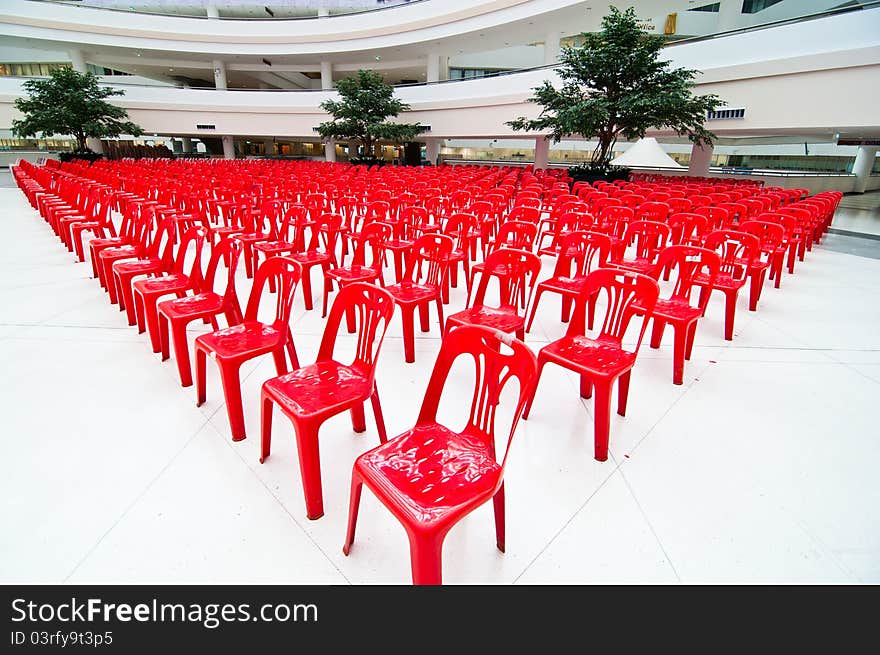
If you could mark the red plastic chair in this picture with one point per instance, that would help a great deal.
(310, 395)
(516, 272)
(366, 264)
(205, 305)
(580, 253)
(152, 256)
(678, 310)
(426, 271)
(232, 346)
(737, 251)
(319, 250)
(771, 254)
(461, 228)
(603, 359)
(649, 238)
(430, 477)
(146, 292)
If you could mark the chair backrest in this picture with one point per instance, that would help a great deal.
(516, 271)
(428, 259)
(652, 211)
(286, 273)
(581, 252)
(687, 263)
(498, 359)
(519, 235)
(372, 308)
(718, 217)
(770, 235)
(737, 250)
(460, 226)
(227, 251)
(650, 238)
(686, 227)
(196, 236)
(372, 242)
(626, 294)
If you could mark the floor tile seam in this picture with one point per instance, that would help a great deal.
(137, 499)
(818, 541)
(285, 509)
(568, 521)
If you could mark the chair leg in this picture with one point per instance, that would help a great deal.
(623, 392)
(201, 381)
(755, 287)
(498, 503)
(358, 419)
(310, 468)
(229, 378)
(140, 319)
(409, 348)
(678, 351)
(265, 427)
(424, 322)
(566, 308)
(586, 386)
(354, 504)
(729, 314)
(377, 414)
(657, 332)
(306, 283)
(692, 332)
(528, 405)
(181, 353)
(426, 560)
(280, 361)
(151, 315)
(534, 309)
(602, 419)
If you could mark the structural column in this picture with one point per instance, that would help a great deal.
(323, 12)
(326, 75)
(219, 74)
(269, 145)
(187, 144)
(551, 48)
(701, 160)
(330, 150)
(542, 152)
(228, 147)
(862, 167)
(432, 150)
(212, 11)
(433, 72)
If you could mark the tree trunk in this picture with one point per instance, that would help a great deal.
(81, 142)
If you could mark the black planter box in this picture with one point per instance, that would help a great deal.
(85, 156)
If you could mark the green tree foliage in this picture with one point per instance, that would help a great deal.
(614, 86)
(362, 112)
(71, 103)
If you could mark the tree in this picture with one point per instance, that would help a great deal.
(71, 103)
(366, 102)
(614, 86)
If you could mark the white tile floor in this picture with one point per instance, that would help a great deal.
(761, 468)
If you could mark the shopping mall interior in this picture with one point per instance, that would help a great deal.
(749, 459)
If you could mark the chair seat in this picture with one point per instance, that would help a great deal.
(504, 319)
(198, 305)
(407, 292)
(252, 238)
(564, 284)
(136, 265)
(643, 266)
(242, 340)
(121, 251)
(675, 310)
(274, 246)
(430, 472)
(723, 281)
(163, 284)
(108, 242)
(354, 273)
(601, 358)
(311, 257)
(323, 388)
(398, 244)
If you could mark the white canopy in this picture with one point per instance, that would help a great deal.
(646, 152)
